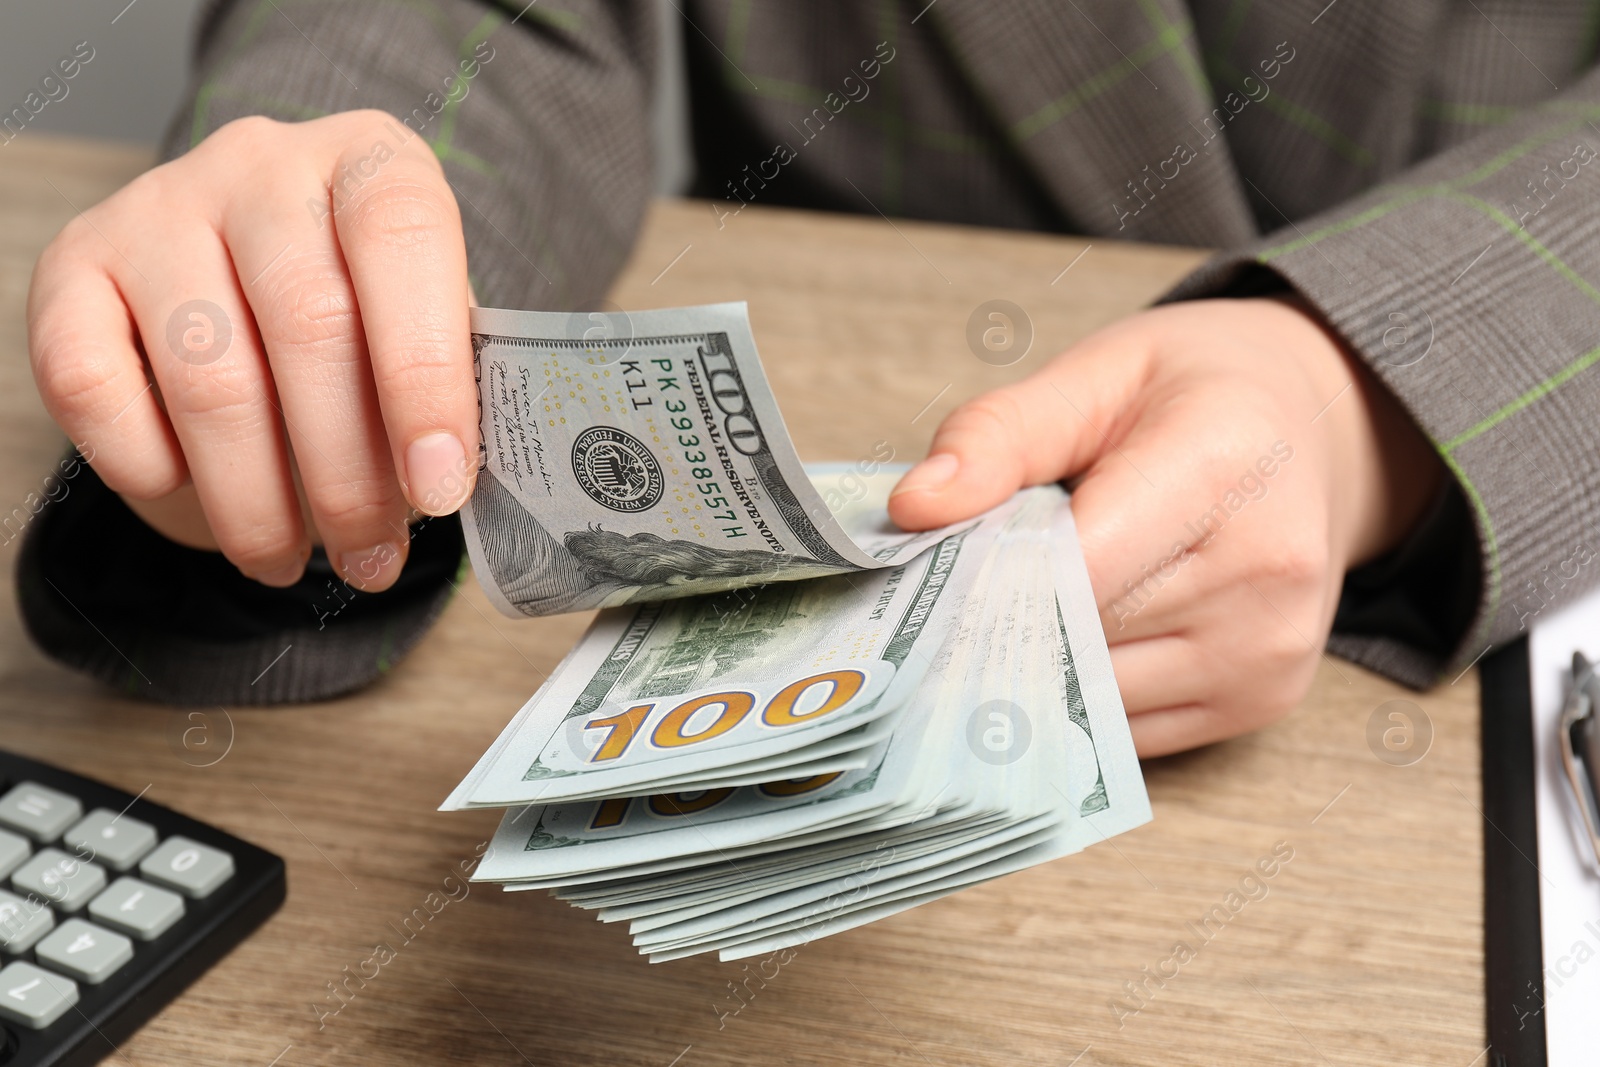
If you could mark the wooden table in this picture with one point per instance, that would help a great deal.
(1365, 950)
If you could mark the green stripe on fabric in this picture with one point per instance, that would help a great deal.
(1407, 195)
(386, 648)
(1544, 388)
(1519, 150)
(1554, 261)
(1516, 230)
(268, 105)
(786, 91)
(1312, 123)
(213, 87)
(1062, 106)
(1467, 114)
(733, 47)
(1377, 211)
(467, 50)
(966, 144)
(568, 21)
(1232, 25)
(1570, 107)
(1318, 127)
(1187, 61)
(202, 98)
(460, 157)
(926, 136)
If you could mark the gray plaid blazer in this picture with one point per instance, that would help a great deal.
(1424, 172)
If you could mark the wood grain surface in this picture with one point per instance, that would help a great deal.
(1363, 948)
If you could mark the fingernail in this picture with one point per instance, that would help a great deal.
(370, 566)
(932, 473)
(282, 577)
(438, 477)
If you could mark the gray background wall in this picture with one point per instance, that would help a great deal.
(141, 61)
(128, 91)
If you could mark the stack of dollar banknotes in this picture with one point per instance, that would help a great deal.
(790, 717)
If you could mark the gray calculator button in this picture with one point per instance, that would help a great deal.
(13, 850)
(188, 866)
(39, 812)
(22, 922)
(114, 840)
(84, 951)
(33, 997)
(65, 882)
(137, 909)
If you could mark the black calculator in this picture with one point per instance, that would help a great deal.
(109, 907)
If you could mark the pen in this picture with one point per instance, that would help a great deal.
(1580, 745)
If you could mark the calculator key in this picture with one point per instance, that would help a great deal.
(13, 850)
(39, 812)
(22, 922)
(84, 951)
(33, 997)
(188, 866)
(137, 909)
(112, 839)
(66, 882)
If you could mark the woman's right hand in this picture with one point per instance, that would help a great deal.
(282, 309)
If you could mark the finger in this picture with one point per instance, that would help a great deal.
(1163, 731)
(214, 381)
(1044, 428)
(401, 236)
(1256, 683)
(83, 349)
(1162, 672)
(305, 307)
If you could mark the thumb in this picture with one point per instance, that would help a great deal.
(1049, 426)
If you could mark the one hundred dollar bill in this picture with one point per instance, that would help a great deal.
(637, 457)
(698, 689)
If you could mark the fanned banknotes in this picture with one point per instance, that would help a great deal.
(785, 731)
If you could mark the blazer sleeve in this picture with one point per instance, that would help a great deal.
(539, 114)
(1470, 284)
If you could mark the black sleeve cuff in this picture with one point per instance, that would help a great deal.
(1407, 612)
(102, 593)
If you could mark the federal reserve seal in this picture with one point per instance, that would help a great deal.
(616, 469)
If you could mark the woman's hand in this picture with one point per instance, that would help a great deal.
(267, 340)
(1232, 462)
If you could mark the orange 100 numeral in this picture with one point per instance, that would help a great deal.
(611, 813)
(735, 705)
